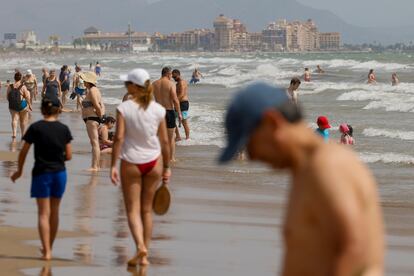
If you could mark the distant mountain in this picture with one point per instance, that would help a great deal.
(70, 18)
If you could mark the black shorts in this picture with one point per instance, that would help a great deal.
(170, 119)
(184, 106)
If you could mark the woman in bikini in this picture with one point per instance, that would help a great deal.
(30, 82)
(19, 104)
(141, 142)
(105, 142)
(93, 110)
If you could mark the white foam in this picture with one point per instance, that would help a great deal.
(395, 134)
(112, 101)
(387, 158)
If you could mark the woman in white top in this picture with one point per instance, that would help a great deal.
(141, 142)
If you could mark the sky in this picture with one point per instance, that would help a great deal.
(369, 13)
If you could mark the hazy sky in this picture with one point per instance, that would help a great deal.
(369, 13)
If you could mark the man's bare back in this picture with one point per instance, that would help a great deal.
(182, 91)
(163, 91)
(333, 214)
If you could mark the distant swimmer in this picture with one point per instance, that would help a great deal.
(307, 75)
(292, 90)
(182, 94)
(323, 127)
(346, 134)
(395, 80)
(196, 76)
(319, 70)
(98, 69)
(371, 77)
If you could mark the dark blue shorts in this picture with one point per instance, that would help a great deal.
(49, 185)
(79, 91)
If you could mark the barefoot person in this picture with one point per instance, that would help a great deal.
(19, 104)
(51, 87)
(195, 78)
(182, 94)
(45, 75)
(78, 86)
(30, 82)
(142, 144)
(92, 111)
(165, 94)
(64, 78)
(51, 140)
(292, 91)
(333, 223)
(105, 143)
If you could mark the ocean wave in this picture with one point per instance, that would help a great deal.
(395, 134)
(112, 101)
(387, 158)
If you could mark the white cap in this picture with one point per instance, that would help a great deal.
(136, 76)
(29, 72)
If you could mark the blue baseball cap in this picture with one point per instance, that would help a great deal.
(245, 112)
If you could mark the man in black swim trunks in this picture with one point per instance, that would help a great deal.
(165, 94)
(182, 94)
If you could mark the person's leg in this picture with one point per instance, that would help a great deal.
(149, 187)
(172, 143)
(54, 219)
(92, 129)
(78, 102)
(24, 121)
(64, 97)
(14, 119)
(186, 129)
(43, 208)
(131, 188)
(177, 135)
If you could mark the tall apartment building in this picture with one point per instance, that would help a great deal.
(330, 41)
(224, 31)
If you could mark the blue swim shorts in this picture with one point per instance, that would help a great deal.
(49, 185)
(79, 91)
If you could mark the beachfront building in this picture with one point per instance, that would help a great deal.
(192, 40)
(224, 33)
(127, 41)
(277, 36)
(330, 41)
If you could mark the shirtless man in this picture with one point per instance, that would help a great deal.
(333, 224)
(319, 70)
(182, 94)
(165, 94)
(307, 75)
(292, 90)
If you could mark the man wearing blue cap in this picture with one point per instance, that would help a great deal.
(333, 224)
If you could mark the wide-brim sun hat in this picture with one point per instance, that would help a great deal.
(137, 76)
(89, 77)
(29, 72)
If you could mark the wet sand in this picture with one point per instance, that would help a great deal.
(223, 220)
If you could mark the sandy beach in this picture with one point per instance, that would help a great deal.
(223, 220)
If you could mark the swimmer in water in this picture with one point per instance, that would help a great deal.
(395, 80)
(319, 69)
(307, 75)
(371, 77)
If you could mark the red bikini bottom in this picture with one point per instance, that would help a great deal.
(147, 167)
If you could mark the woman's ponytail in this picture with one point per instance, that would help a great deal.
(147, 94)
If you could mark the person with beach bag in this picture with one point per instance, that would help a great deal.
(141, 142)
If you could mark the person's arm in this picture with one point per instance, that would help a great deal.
(35, 86)
(116, 149)
(26, 96)
(68, 152)
(59, 88)
(44, 88)
(21, 161)
(105, 136)
(174, 97)
(165, 150)
(96, 103)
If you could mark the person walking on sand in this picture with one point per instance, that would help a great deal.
(165, 94)
(394, 79)
(51, 140)
(64, 78)
(105, 143)
(141, 142)
(292, 91)
(371, 77)
(19, 104)
(30, 82)
(51, 87)
(182, 94)
(78, 86)
(45, 75)
(93, 110)
(333, 223)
